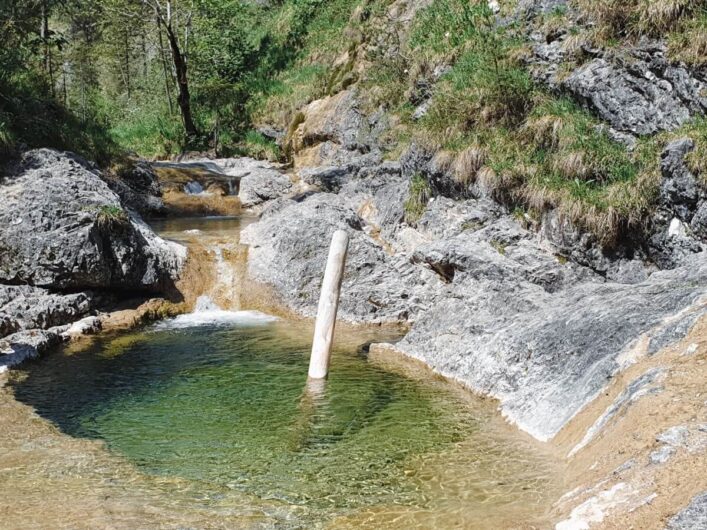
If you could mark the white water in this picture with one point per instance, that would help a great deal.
(207, 313)
(194, 188)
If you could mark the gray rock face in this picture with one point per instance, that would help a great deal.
(642, 95)
(24, 345)
(260, 185)
(65, 229)
(678, 225)
(693, 517)
(336, 119)
(679, 190)
(544, 355)
(139, 189)
(288, 250)
(489, 301)
(328, 178)
(31, 307)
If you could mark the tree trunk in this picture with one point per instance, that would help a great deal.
(167, 75)
(183, 98)
(44, 35)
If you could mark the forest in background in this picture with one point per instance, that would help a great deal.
(153, 77)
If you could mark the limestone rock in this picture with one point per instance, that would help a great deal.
(644, 94)
(678, 230)
(65, 229)
(24, 345)
(261, 184)
(327, 178)
(139, 189)
(289, 248)
(679, 190)
(544, 354)
(336, 119)
(693, 516)
(32, 307)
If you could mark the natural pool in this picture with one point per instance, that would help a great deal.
(224, 408)
(206, 421)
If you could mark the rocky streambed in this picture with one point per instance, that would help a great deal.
(579, 346)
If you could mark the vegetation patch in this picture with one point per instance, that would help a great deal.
(418, 198)
(112, 217)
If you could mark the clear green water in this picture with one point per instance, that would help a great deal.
(224, 406)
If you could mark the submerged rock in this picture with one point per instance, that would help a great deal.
(692, 517)
(64, 228)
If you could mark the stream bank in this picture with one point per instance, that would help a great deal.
(566, 350)
(429, 453)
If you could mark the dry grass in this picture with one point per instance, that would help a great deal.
(544, 131)
(467, 164)
(659, 16)
(572, 165)
(690, 44)
(619, 18)
(442, 161)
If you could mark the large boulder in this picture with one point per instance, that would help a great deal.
(138, 188)
(260, 185)
(336, 119)
(333, 131)
(289, 248)
(26, 307)
(63, 228)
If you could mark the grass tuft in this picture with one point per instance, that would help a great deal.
(418, 197)
(112, 217)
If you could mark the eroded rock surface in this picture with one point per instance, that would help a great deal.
(489, 300)
(642, 94)
(262, 184)
(288, 250)
(65, 229)
(68, 235)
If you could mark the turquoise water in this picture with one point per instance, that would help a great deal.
(225, 407)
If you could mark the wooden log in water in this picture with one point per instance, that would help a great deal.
(328, 306)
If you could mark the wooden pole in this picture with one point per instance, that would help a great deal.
(328, 306)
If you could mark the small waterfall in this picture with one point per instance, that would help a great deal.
(193, 188)
(233, 185)
(208, 313)
(219, 301)
(205, 303)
